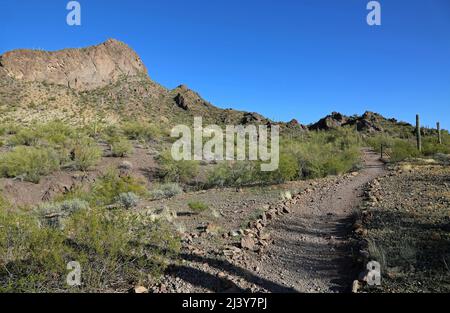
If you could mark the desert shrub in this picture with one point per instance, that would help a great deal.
(9, 129)
(56, 132)
(114, 246)
(52, 214)
(140, 131)
(114, 249)
(176, 171)
(111, 131)
(53, 134)
(288, 169)
(84, 154)
(108, 187)
(4, 204)
(325, 153)
(121, 147)
(31, 257)
(29, 163)
(166, 191)
(198, 206)
(239, 173)
(398, 149)
(403, 149)
(431, 146)
(127, 200)
(376, 141)
(24, 137)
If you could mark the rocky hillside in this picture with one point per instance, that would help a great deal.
(79, 69)
(109, 83)
(369, 122)
(103, 83)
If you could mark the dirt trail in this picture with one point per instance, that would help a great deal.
(311, 252)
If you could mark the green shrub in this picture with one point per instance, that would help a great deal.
(114, 248)
(24, 137)
(53, 213)
(28, 163)
(238, 173)
(107, 188)
(56, 132)
(431, 146)
(288, 169)
(31, 257)
(403, 149)
(325, 153)
(198, 206)
(176, 171)
(140, 131)
(84, 154)
(4, 204)
(166, 191)
(127, 200)
(121, 147)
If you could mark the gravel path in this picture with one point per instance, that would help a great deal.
(311, 251)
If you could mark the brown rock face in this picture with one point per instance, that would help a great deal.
(80, 69)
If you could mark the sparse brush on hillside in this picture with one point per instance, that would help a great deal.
(115, 250)
(401, 149)
(317, 154)
(165, 191)
(84, 154)
(28, 163)
(141, 131)
(111, 185)
(198, 206)
(176, 171)
(120, 147)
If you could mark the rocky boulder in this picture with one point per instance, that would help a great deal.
(80, 69)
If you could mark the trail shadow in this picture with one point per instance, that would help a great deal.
(202, 279)
(211, 282)
(316, 258)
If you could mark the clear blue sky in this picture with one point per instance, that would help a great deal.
(285, 59)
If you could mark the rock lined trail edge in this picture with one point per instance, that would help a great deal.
(311, 250)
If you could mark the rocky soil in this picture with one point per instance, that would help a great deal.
(299, 244)
(405, 226)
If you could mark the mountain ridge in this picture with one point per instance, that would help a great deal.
(109, 81)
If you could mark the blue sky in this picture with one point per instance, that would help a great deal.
(285, 59)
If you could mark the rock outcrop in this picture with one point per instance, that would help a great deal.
(369, 122)
(80, 69)
(335, 120)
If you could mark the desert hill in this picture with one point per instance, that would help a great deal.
(109, 83)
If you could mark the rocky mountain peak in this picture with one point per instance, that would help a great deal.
(80, 69)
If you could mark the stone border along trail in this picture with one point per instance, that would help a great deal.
(310, 249)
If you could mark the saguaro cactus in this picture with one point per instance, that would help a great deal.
(439, 132)
(418, 134)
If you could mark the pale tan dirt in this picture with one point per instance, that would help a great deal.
(311, 251)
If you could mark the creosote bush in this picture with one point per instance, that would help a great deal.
(85, 154)
(116, 250)
(127, 200)
(198, 206)
(165, 191)
(111, 185)
(120, 147)
(28, 163)
(141, 131)
(176, 171)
